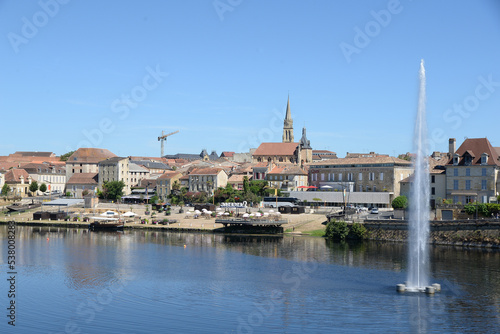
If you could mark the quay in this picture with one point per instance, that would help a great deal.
(243, 225)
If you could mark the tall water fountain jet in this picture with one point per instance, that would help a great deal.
(418, 237)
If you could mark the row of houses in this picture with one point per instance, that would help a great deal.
(466, 174)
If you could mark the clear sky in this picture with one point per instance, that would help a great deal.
(114, 74)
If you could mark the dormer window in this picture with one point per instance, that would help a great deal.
(484, 159)
(467, 160)
(456, 158)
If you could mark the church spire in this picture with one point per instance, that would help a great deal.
(288, 124)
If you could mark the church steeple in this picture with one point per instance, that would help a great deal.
(288, 124)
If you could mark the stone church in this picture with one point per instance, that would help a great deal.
(288, 151)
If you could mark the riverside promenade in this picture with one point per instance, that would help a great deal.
(295, 223)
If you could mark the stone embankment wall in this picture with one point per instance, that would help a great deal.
(476, 233)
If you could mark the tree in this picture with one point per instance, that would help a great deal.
(33, 186)
(337, 230)
(400, 202)
(5, 189)
(113, 190)
(317, 200)
(65, 156)
(43, 187)
(246, 184)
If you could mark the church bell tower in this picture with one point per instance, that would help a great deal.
(288, 125)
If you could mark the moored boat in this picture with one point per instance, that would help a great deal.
(101, 223)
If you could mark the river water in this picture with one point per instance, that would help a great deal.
(76, 281)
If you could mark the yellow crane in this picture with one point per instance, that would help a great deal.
(163, 138)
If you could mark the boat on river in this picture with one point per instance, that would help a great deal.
(106, 224)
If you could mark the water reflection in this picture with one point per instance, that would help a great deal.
(302, 282)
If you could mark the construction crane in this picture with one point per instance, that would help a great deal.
(163, 138)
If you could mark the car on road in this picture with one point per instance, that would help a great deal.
(374, 211)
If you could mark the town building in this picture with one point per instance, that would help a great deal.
(323, 155)
(472, 171)
(53, 175)
(190, 157)
(437, 180)
(164, 184)
(287, 151)
(207, 179)
(82, 184)
(137, 173)
(287, 177)
(86, 160)
(371, 174)
(115, 169)
(19, 182)
(236, 181)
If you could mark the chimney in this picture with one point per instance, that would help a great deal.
(452, 148)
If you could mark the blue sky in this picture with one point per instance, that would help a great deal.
(114, 74)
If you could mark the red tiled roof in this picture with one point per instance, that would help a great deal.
(83, 178)
(168, 175)
(206, 171)
(475, 147)
(227, 154)
(236, 178)
(266, 149)
(14, 175)
(90, 155)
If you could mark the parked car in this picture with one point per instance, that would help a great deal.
(374, 211)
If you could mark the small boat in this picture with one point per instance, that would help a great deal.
(106, 224)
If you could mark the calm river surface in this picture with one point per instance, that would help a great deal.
(76, 281)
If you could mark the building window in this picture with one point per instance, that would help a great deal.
(467, 184)
(483, 172)
(371, 176)
(349, 176)
(433, 178)
(455, 171)
(361, 176)
(322, 177)
(381, 176)
(455, 184)
(467, 172)
(483, 184)
(374, 188)
(455, 199)
(433, 191)
(340, 177)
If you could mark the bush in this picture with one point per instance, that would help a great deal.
(336, 230)
(400, 202)
(357, 232)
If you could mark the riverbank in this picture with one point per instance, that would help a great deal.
(476, 235)
(296, 223)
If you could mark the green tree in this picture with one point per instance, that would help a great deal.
(337, 230)
(43, 187)
(400, 202)
(246, 184)
(65, 156)
(113, 190)
(357, 231)
(317, 200)
(33, 186)
(5, 189)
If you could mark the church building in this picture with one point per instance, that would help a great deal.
(287, 151)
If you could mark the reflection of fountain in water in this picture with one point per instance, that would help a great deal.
(418, 255)
(418, 229)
